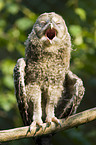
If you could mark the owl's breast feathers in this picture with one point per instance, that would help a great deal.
(49, 70)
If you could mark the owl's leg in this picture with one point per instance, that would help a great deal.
(34, 93)
(54, 93)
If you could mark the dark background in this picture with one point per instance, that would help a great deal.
(16, 20)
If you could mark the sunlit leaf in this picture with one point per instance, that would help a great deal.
(24, 23)
(13, 8)
(1, 4)
(78, 40)
(7, 101)
(8, 81)
(75, 30)
(10, 47)
(30, 14)
(81, 12)
(7, 66)
(2, 23)
(14, 32)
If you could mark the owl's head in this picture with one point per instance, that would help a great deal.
(50, 28)
(49, 36)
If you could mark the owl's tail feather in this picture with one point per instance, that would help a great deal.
(43, 140)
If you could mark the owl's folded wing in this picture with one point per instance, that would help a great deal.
(71, 97)
(20, 92)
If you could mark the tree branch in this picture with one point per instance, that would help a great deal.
(70, 122)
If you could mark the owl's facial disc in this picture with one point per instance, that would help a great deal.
(50, 33)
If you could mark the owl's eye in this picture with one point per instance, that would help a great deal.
(42, 23)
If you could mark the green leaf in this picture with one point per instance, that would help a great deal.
(75, 30)
(24, 23)
(8, 81)
(13, 8)
(2, 4)
(78, 40)
(81, 12)
(2, 23)
(7, 66)
(7, 101)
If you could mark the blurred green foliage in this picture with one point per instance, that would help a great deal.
(16, 20)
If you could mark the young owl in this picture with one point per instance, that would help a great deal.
(45, 88)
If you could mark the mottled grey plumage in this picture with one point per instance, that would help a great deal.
(45, 87)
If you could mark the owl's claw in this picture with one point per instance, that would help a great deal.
(34, 124)
(53, 119)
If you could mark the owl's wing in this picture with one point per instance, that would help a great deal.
(20, 92)
(71, 97)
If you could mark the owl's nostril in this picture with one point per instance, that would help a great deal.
(50, 33)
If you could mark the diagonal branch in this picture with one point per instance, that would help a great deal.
(70, 122)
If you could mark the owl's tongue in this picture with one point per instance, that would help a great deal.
(50, 33)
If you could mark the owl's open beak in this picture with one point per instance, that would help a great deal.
(50, 33)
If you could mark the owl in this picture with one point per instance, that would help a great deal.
(45, 88)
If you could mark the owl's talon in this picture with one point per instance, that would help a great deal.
(59, 124)
(34, 124)
(54, 119)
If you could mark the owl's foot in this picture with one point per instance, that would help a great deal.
(53, 119)
(37, 124)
